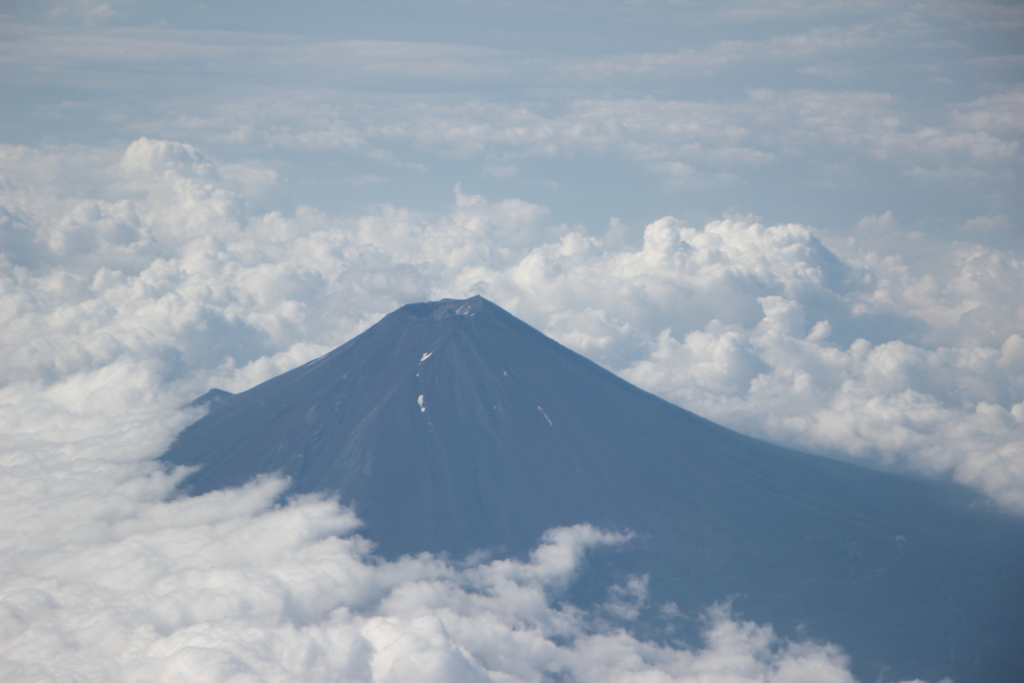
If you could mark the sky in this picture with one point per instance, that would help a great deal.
(801, 220)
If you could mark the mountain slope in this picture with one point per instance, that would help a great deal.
(452, 426)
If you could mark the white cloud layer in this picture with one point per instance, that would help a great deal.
(102, 578)
(917, 362)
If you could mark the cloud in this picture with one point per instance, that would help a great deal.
(359, 60)
(988, 224)
(697, 63)
(236, 52)
(873, 122)
(911, 362)
(998, 114)
(713, 142)
(877, 226)
(101, 574)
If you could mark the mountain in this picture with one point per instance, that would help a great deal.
(452, 426)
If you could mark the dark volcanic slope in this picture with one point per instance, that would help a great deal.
(452, 426)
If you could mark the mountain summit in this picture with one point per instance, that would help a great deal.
(452, 426)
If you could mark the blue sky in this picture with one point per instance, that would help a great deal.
(799, 219)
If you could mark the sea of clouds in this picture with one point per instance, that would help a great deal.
(135, 275)
(135, 278)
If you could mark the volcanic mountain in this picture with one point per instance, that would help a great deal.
(452, 426)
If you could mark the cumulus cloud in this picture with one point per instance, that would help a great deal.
(103, 576)
(914, 363)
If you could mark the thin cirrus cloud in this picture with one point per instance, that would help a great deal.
(354, 59)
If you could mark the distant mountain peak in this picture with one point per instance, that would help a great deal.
(451, 426)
